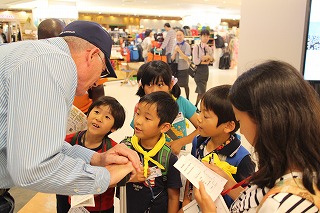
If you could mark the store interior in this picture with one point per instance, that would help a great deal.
(260, 36)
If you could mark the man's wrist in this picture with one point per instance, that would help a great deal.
(96, 159)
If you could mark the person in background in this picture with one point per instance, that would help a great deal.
(50, 28)
(105, 116)
(217, 141)
(36, 97)
(3, 38)
(180, 55)
(279, 114)
(168, 42)
(147, 43)
(202, 55)
(157, 191)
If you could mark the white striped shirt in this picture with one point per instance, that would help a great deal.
(37, 85)
(250, 199)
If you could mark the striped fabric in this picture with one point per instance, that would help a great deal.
(37, 85)
(169, 41)
(250, 199)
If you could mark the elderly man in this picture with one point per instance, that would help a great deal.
(38, 81)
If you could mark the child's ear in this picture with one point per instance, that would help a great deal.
(230, 126)
(165, 127)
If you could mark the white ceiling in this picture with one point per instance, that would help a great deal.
(176, 8)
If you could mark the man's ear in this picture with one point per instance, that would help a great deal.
(91, 54)
(165, 127)
(230, 126)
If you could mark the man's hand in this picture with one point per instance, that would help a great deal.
(118, 172)
(119, 154)
(204, 200)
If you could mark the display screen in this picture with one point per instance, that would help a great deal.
(311, 69)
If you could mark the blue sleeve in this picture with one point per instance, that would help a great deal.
(194, 146)
(38, 158)
(186, 107)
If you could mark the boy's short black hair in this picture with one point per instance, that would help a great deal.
(216, 100)
(204, 32)
(167, 107)
(167, 25)
(117, 110)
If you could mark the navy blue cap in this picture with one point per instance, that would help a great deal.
(96, 35)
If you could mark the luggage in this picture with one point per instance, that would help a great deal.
(155, 55)
(134, 53)
(225, 60)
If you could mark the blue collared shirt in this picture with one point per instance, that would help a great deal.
(38, 80)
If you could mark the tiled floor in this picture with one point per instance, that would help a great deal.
(126, 96)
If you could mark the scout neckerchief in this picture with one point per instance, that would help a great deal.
(147, 156)
(213, 157)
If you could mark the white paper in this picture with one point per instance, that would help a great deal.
(78, 210)
(82, 200)
(77, 120)
(193, 207)
(195, 171)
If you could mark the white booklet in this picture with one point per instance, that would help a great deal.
(79, 201)
(195, 171)
(77, 121)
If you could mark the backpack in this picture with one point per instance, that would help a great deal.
(163, 156)
(225, 61)
(219, 42)
(106, 141)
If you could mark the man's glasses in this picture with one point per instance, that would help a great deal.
(105, 72)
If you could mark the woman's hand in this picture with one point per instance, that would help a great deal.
(204, 200)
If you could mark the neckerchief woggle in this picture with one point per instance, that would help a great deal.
(147, 156)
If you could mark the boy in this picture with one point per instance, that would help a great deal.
(158, 191)
(217, 140)
(105, 116)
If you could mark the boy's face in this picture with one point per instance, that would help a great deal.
(100, 120)
(146, 122)
(204, 38)
(207, 123)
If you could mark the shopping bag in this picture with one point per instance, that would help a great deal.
(155, 55)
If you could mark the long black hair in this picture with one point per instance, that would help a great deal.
(286, 110)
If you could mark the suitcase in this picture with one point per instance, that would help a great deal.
(134, 54)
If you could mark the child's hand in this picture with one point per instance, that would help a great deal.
(204, 200)
(175, 146)
(139, 177)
